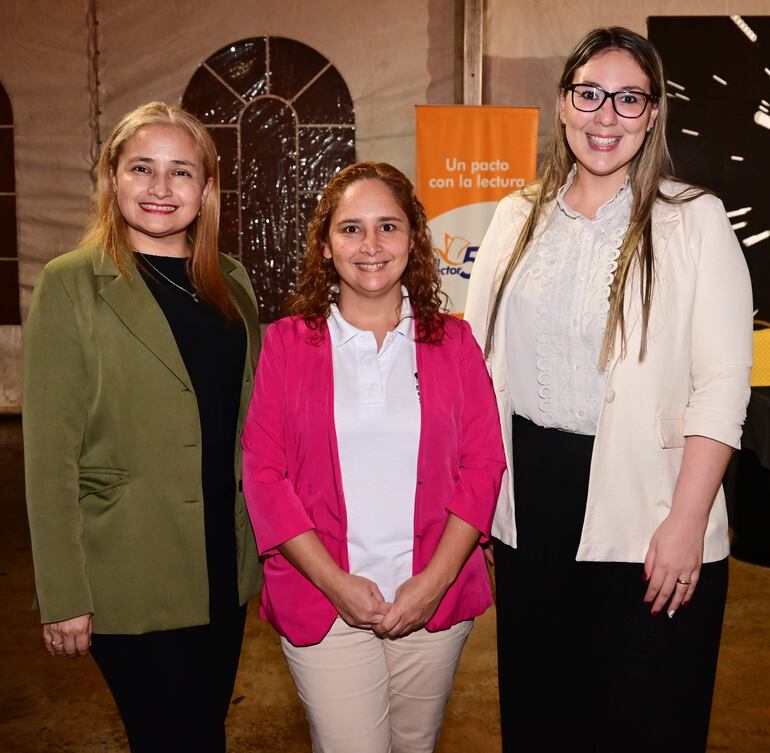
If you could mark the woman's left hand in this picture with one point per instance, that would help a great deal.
(673, 562)
(416, 601)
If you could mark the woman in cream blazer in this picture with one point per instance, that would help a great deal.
(614, 306)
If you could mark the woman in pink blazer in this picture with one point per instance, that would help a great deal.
(373, 459)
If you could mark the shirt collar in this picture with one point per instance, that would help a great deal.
(342, 331)
(621, 198)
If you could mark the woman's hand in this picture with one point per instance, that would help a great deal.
(358, 600)
(416, 601)
(673, 562)
(674, 559)
(70, 638)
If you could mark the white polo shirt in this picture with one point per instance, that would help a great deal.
(377, 419)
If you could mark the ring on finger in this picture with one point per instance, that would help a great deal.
(683, 582)
(56, 645)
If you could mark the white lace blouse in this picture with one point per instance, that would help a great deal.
(557, 313)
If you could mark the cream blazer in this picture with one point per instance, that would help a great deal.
(693, 381)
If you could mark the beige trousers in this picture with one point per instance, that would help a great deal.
(363, 694)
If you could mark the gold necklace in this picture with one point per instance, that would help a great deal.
(193, 295)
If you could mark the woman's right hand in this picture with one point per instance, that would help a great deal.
(358, 600)
(71, 638)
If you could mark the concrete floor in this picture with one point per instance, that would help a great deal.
(52, 705)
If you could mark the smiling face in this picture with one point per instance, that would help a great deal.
(160, 186)
(604, 143)
(369, 242)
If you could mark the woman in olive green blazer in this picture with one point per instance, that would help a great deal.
(128, 346)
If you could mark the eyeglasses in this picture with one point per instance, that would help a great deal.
(627, 103)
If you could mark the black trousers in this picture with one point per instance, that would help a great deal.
(173, 687)
(583, 665)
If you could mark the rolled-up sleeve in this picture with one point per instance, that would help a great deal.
(721, 344)
(276, 511)
(482, 458)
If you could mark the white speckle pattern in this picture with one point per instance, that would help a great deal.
(744, 27)
(758, 238)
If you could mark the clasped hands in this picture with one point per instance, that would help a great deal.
(361, 604)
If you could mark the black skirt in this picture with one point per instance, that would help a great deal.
(584, 667)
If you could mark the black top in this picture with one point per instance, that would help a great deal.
(214, 351)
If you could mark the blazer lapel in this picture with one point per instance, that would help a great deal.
(323, 410)
(664, 220)
(248, 312)
(136, 307)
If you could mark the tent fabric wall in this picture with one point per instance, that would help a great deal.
(380, 50)
(43, 67)
(392, 57)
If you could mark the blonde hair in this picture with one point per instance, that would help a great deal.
(649, 166)
(107, 229)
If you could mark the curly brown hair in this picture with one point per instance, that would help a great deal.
(317, 287)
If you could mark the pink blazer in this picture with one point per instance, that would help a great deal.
(293, 483)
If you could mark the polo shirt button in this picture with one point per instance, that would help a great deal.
(610, 395)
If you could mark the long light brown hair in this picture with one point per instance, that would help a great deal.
(108, 231)
(649, 166)
(317, 287)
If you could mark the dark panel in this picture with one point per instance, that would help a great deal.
(292, 66)
(8, 227)
(322, 152)
(9, 293)
(7, 180)
(6, 113)
(724, 115)
(268, 202)
(242, 65)
(226, 140)
(228, 224)
(326, 101)
(209, 100)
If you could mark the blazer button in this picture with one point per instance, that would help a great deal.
(610, 395)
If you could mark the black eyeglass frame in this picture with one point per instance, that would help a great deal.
(611, 96)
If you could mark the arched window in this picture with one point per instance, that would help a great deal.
(9, 262)
(282, 119)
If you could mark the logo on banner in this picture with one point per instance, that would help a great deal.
(457, 255)
(457, 235)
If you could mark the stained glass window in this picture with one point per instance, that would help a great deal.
(282, 119)
(9, 263)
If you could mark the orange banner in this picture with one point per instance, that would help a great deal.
(468, 158)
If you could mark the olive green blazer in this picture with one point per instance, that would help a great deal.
(112, 447)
